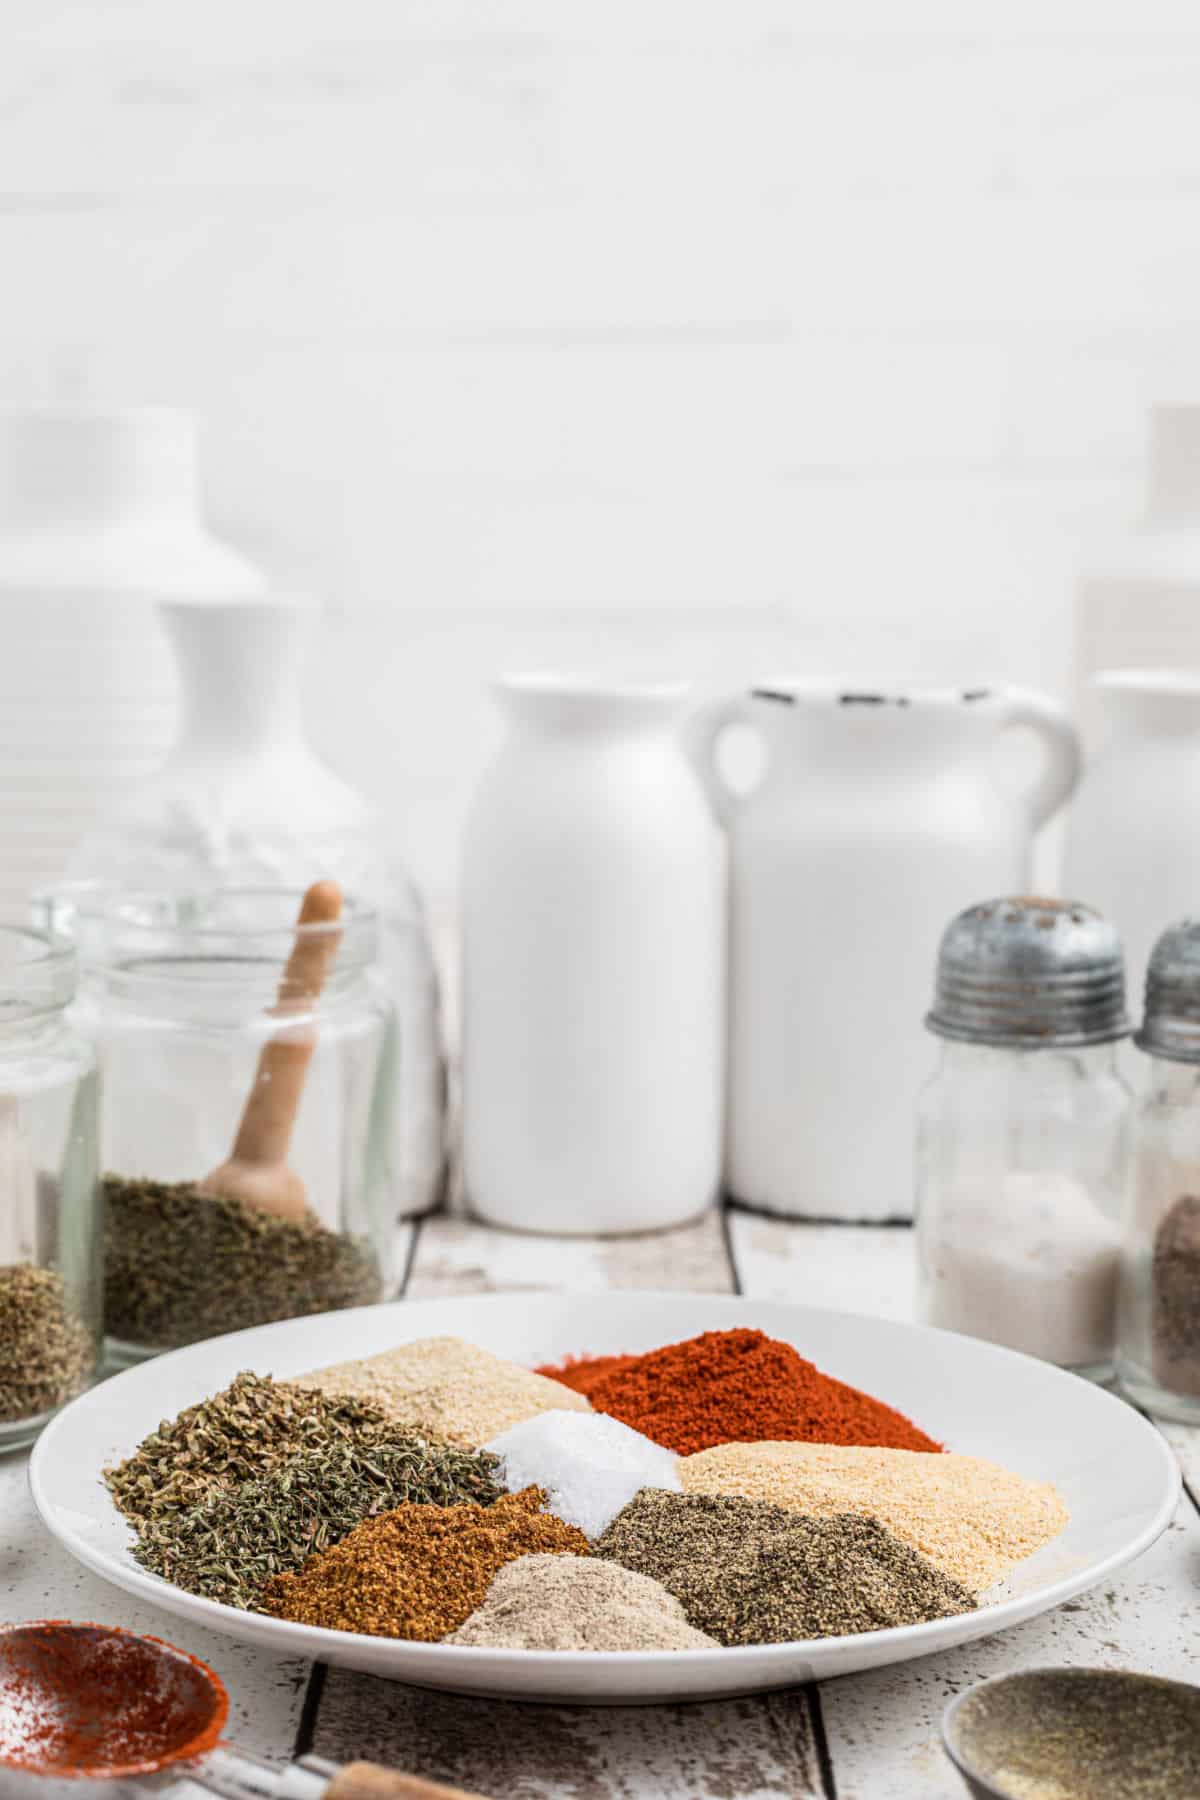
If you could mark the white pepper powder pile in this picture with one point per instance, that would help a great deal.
(970, 1518)
(566, 1602)
(452, 1389)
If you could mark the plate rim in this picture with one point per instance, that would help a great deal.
(320, 1643)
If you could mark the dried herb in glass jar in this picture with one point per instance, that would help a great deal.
(181, 1265)
(46, 1352)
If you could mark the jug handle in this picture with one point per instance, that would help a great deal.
(700, 731)
(1062, 758)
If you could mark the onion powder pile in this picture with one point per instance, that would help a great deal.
(588, 1465)
(578, 1603)
(448, 1387)
(971, 1518)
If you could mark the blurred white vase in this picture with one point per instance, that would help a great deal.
(1139, 605)
(1133, 845)
(593, 920)
(243, 801)
(99, 518)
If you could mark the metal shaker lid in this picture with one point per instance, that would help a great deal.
(1032, 974)
(1171, 1023)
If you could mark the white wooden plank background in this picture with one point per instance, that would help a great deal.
(673, 335)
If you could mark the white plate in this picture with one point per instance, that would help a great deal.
(1113, 1469)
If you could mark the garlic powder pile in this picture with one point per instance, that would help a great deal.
(449, 1388)
(971, 1518)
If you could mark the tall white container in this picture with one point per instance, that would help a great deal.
(1139, 605)
(879, 817)
(1133, 842)
(243, 801)
(593, 919)
(99, 517)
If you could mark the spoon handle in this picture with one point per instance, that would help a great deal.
(367, 1781)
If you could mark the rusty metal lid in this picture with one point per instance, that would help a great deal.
(1171, 1023)
(1032, 974)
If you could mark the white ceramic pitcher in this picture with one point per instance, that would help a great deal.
(1133, 846)
(593, 921)
(882, 813)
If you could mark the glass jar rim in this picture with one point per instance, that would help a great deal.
(141, 930)
(38, 972)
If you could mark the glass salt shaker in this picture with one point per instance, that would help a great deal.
(195, 1010)
(1023, 1132)
(50, 1237)
(1159, 1324)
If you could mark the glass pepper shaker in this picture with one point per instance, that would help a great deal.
(1159, 1330)
(50, 1239)
(1022, 1133)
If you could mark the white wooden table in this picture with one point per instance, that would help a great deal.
(863, 1737)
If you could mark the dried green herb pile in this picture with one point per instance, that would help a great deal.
(231, 1545)
(46, 1352)
(245, 1485)
(242, 1433)
(748, 1572)
(180, 1265)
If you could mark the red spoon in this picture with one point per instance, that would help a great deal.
(98, 1702)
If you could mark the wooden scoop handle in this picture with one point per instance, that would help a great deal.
(269, 1116)
(367, 1781)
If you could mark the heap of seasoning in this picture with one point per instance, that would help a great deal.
(46, 1353)
(243, 1432)
(448, 1386)
(736, 1386)
(181, 1265)
(231, 1545)
(578, 1603)
(747, 1572)
(419, 1571)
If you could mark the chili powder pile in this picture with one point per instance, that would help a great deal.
(739, 1386)
(419, 1571)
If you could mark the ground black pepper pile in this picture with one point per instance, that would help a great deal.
(747, 1572)
(181, 1265)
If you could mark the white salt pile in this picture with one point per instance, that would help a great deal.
(590, 1466)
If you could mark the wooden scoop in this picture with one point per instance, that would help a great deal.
(257, 1173)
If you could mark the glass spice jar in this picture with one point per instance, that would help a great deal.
(1022, 1137)
(1159, 1329)
(50, 1249)
(193, 1007)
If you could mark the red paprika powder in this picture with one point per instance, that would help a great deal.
(728, 1387)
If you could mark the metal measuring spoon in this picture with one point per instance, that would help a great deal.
(1076, 1734)
(101, 1703)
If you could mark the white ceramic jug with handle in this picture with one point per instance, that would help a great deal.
(593, 1001)
(881, 814)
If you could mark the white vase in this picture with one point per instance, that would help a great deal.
(99, 518)
(1133, 847)
(244, 801)
(878, 819)
(1139, 603)
(593, 920)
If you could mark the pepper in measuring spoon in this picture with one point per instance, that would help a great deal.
(257, 1173)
